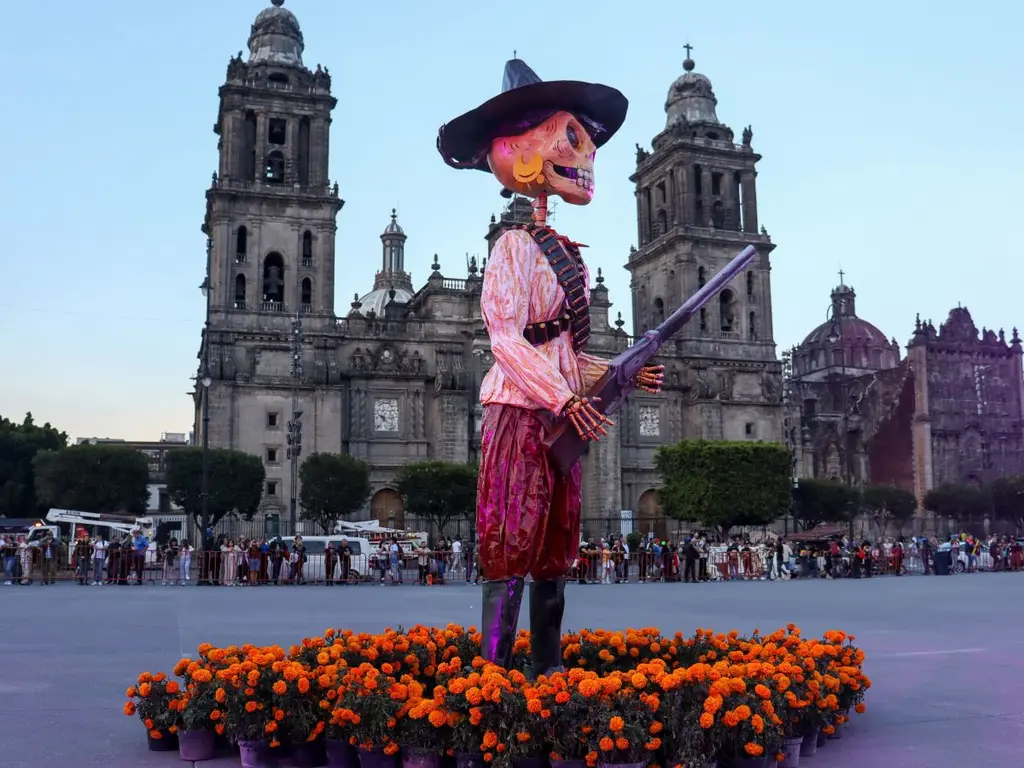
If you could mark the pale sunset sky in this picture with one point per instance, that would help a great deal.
(891, 134)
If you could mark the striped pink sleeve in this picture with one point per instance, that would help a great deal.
(505, 306)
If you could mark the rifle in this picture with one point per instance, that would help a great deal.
(564, 444)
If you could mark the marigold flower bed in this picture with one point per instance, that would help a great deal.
(632, 697)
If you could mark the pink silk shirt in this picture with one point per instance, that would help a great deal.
(520, 288)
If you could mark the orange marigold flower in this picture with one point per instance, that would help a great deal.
(522, 737)
(616, 724)
(707, 720)
(621, 743)
(859, 709)
(606, 744)
(251, 706)
(129, 708)
(752, 749)
(280, 687)
(155, 735)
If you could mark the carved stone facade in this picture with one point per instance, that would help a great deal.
(397, 379)
(696, 209)
(950, 412)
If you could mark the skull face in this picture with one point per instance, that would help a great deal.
(556, 157)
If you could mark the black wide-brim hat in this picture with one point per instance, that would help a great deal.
(525, 102)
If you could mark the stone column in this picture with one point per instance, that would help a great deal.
(688, 197)
(749, 191)
(644, 210)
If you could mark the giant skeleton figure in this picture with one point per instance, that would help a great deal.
(537, 138)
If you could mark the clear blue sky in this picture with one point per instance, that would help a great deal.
(891, 135)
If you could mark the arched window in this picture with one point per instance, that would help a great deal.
(750, 285)
(241, 244)
(277, 80)
(725, 310)
(307, 295)
(718, 214)
(273, 172)
(703, 319)
(273, 282)
(661, 226)
(752, 326)
(659, 312)
(240, 292)
(701, 277)
(307, 249)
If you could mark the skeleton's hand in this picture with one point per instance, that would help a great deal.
(650, 378)
(588, 422)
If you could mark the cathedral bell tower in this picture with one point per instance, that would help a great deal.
(270, 211)
(696, 209)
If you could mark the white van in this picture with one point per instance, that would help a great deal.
(314, 570)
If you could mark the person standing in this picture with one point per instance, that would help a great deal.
(689, 561)
(83, 559)
(50, 556)
(140, 545)
(345, 559)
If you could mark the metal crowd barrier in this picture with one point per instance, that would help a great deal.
(235, 568)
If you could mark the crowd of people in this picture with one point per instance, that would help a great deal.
(130, 558)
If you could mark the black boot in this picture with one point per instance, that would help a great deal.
(547, 604)
(501, 603)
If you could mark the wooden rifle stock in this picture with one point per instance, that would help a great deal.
(564, 444)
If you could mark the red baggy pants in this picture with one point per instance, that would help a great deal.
(527, 515)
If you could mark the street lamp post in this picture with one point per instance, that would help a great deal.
(835, 317)
(204, 381)
(295, 424)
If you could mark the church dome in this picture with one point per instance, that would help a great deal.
(377, 299)
(691, 98)
(276, 38)
(844, 341)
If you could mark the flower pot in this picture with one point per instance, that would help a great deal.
(161, 741)
(809, 742)
(531, 762)
(254, 754)
(414, 758)
(821, 739)
(309, 754)
(792, 749)
(341, 754)
(375, 758)
(837, 732)
(749, 762)
(469, 760)
(568, 764)
(197, 745)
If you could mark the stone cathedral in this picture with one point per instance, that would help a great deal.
(396, 378)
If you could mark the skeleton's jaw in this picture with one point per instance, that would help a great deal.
(574, 184)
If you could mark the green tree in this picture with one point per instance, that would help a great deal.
(957, 500)
(235, 482)
(93, 478)
(888, 503)
(334, 485)
(1008, 499)
(19, 444)
(438, 491)
(819, 501)
(725, 484)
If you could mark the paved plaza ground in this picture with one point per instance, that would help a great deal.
(945, 654)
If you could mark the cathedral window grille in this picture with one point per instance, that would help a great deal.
(702, 277)
(241, 245)
(278, 81)
(239, 292)
(718, 214)
(752, 326)
(659, 312)
(703, 320)
(277, 131)
(750, 285)
(725, 306)
(273, 171)
(307, 295)
(307, 249)
(716, 183)
(273, 282)
(661, 223)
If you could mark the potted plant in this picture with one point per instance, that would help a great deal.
(299, 720)
(621, 718)
(687, 731)
(564, 720)
(473, 724)
(375, 700)
(522, 717)
(423, 726)
(154, 698)
(195, 720)
(249, 715)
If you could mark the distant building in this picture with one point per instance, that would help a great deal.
(397, 378)
(949, 412)
(156, 452)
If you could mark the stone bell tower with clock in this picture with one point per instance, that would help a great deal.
(696, 209)
(270, 223)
